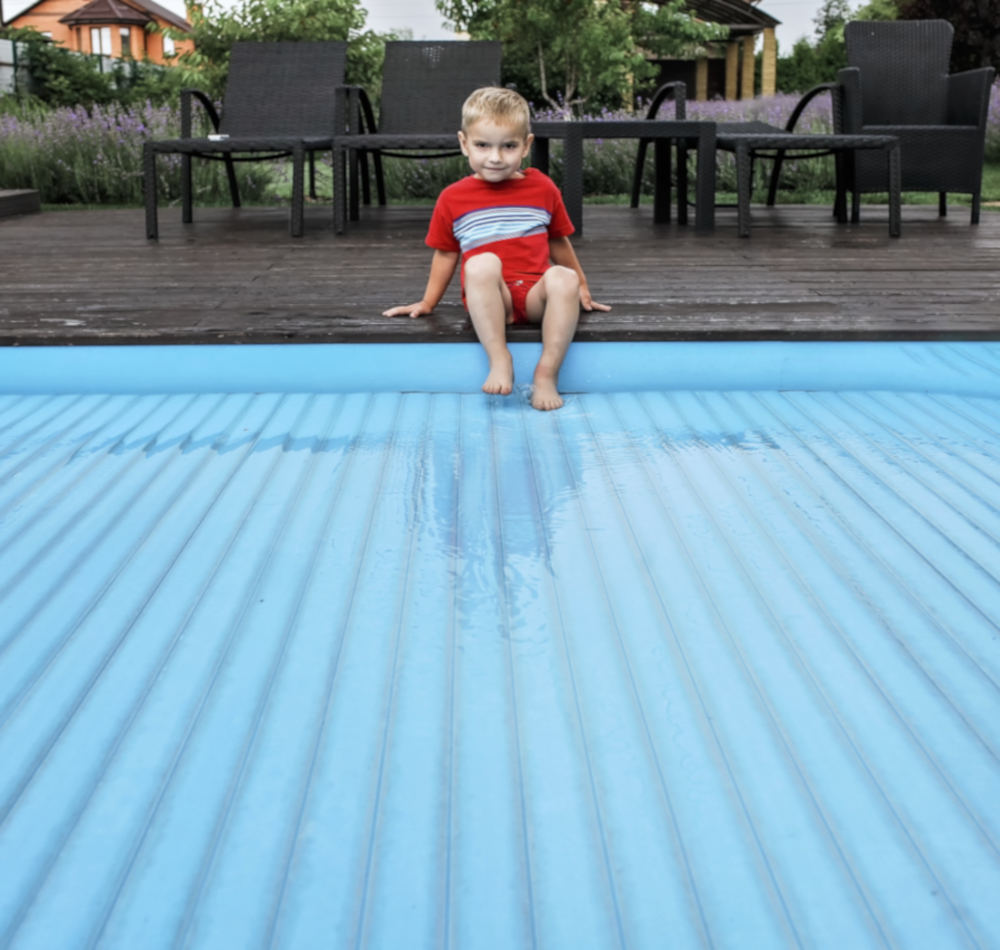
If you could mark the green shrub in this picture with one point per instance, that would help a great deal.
(61, 77)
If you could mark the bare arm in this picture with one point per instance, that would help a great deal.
(442, 269)
(562, 253)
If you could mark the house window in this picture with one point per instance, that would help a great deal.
(126, 36)
(100, 40)
(79, 40)
(168, 46)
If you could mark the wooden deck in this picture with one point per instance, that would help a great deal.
(79, 277)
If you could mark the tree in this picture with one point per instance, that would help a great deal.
(878, 10)
(570, 52)
(216, 28)
(812, 63)
(809, 65)
(830, 19)
(976, 23)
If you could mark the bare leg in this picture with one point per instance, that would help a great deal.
(555, 300)
(491, 307)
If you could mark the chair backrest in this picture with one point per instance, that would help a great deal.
(282, 88)
(425, 83)
(904, 67)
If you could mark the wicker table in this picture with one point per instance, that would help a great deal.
(749, 144)
(662, 132)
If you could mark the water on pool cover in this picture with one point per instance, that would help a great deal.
(657, 670)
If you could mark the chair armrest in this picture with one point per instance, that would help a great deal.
(679, 91)
(969, 97)
(352, 111)
(851, 117)
(832, 87)
(209, 106)
(367, 112)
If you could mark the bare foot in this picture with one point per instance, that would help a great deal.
(544, 394)
(501, 378)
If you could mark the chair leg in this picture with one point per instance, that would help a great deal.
(379, 178)
(840, 202)
(149, 189)
(339, 190)
(772, 188)
(312, 175)
(234, 189)
(187, 190)
(661, 192)
(855, 206)
(943, 204)
(744, 183)
(640, 164)
(977, 201)
(366, 182)
(895, 189)
(682, 182)
(297, 223)
(352, 188)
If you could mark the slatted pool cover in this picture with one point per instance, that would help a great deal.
(399, 671)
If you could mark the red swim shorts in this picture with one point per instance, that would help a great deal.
(519, 290)
(519, 294)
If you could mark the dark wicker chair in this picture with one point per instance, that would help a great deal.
(280, 100)
(897, 83)
(423, 87)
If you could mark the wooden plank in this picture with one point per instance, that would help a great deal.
(84, 277)
(23, 201)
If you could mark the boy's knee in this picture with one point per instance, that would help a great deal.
(563, 280)
(485, 266)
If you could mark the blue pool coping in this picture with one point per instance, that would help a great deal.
(960, 368)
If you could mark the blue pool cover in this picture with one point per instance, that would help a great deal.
(664, 669)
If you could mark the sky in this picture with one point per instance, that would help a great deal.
(422, 18)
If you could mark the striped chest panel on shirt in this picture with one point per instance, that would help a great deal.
(486, 225)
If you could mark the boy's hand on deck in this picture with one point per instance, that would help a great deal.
(588, 303)
(419, 309)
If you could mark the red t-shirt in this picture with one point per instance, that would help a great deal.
(513, 219)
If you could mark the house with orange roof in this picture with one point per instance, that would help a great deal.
(118, 28)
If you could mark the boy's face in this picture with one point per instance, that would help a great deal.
(495, 152)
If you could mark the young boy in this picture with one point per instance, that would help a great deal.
(511, 230)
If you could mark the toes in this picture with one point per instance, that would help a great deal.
(497, 389)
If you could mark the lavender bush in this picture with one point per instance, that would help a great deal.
(993, 126)
(94, 156)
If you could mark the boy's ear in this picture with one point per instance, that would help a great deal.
(463, 143)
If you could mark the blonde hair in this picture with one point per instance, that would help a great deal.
(496, 104)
